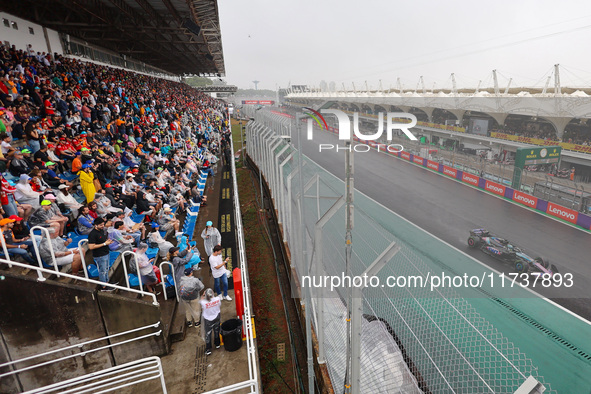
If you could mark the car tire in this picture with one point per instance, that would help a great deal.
(542, 262)
(521, 266)
(473, 242)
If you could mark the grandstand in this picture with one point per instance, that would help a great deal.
(106, 162)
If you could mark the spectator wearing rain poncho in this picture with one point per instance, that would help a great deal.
(189, 289)
(104, 205)
(25, 194)
(155, 237)
(211, 237)
(178, 260)
(146, 268)
(168, 221)
(87, 182)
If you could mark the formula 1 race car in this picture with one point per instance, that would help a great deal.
(503, 250)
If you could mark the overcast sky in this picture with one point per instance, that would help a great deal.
(306, 41)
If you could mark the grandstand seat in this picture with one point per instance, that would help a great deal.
(68, 176)
(152, 252)
(133, 280)
(113, 257)
(92, 271)
(11, 179)
(76, 237)
(79, 196)
(137, 217)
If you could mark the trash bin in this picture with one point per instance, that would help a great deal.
(232, 334)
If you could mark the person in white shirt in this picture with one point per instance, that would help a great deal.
(6, 144)
(210, 315)
(218, 271)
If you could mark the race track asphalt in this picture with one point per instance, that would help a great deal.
(448, 210)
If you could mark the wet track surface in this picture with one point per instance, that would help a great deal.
(448, 210)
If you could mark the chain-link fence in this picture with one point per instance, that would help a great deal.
(404, 339)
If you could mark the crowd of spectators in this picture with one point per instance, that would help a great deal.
(574, 133)
(524, 128)
(99, 151)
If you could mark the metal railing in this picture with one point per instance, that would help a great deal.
(83, 248)
(111, 379)
(137, 268)
(78, 346)
(42, 270)
(163, 282)
(55, 271)
(45, 232)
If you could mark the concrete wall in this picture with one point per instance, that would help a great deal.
(41, 316)
(122, 314)
(22, 37)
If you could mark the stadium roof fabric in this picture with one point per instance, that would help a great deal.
(178, 36)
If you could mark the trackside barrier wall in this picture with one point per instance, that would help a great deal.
(412, 339)
(525, 199)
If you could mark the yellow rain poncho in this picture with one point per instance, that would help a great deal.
(87, 184)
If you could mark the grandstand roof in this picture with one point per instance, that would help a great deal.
(160, 33)
(544, 105)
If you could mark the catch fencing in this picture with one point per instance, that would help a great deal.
(403, 339)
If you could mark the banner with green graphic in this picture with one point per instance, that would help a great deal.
(533, 156)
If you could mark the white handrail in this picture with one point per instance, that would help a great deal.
(137, 268)
(78, 345)
(145, 366)
(157, 333)
(96, 282)
(251, 349)
(163, 282)
(83, 256)
(44, 231)
(4, 248)
(234, 387)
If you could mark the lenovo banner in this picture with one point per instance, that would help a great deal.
(563, 213)
(433, 165)
(418, 160)
(525, 199)
(469, 178)
(452, 172)
(495, 188)
(405, 155)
